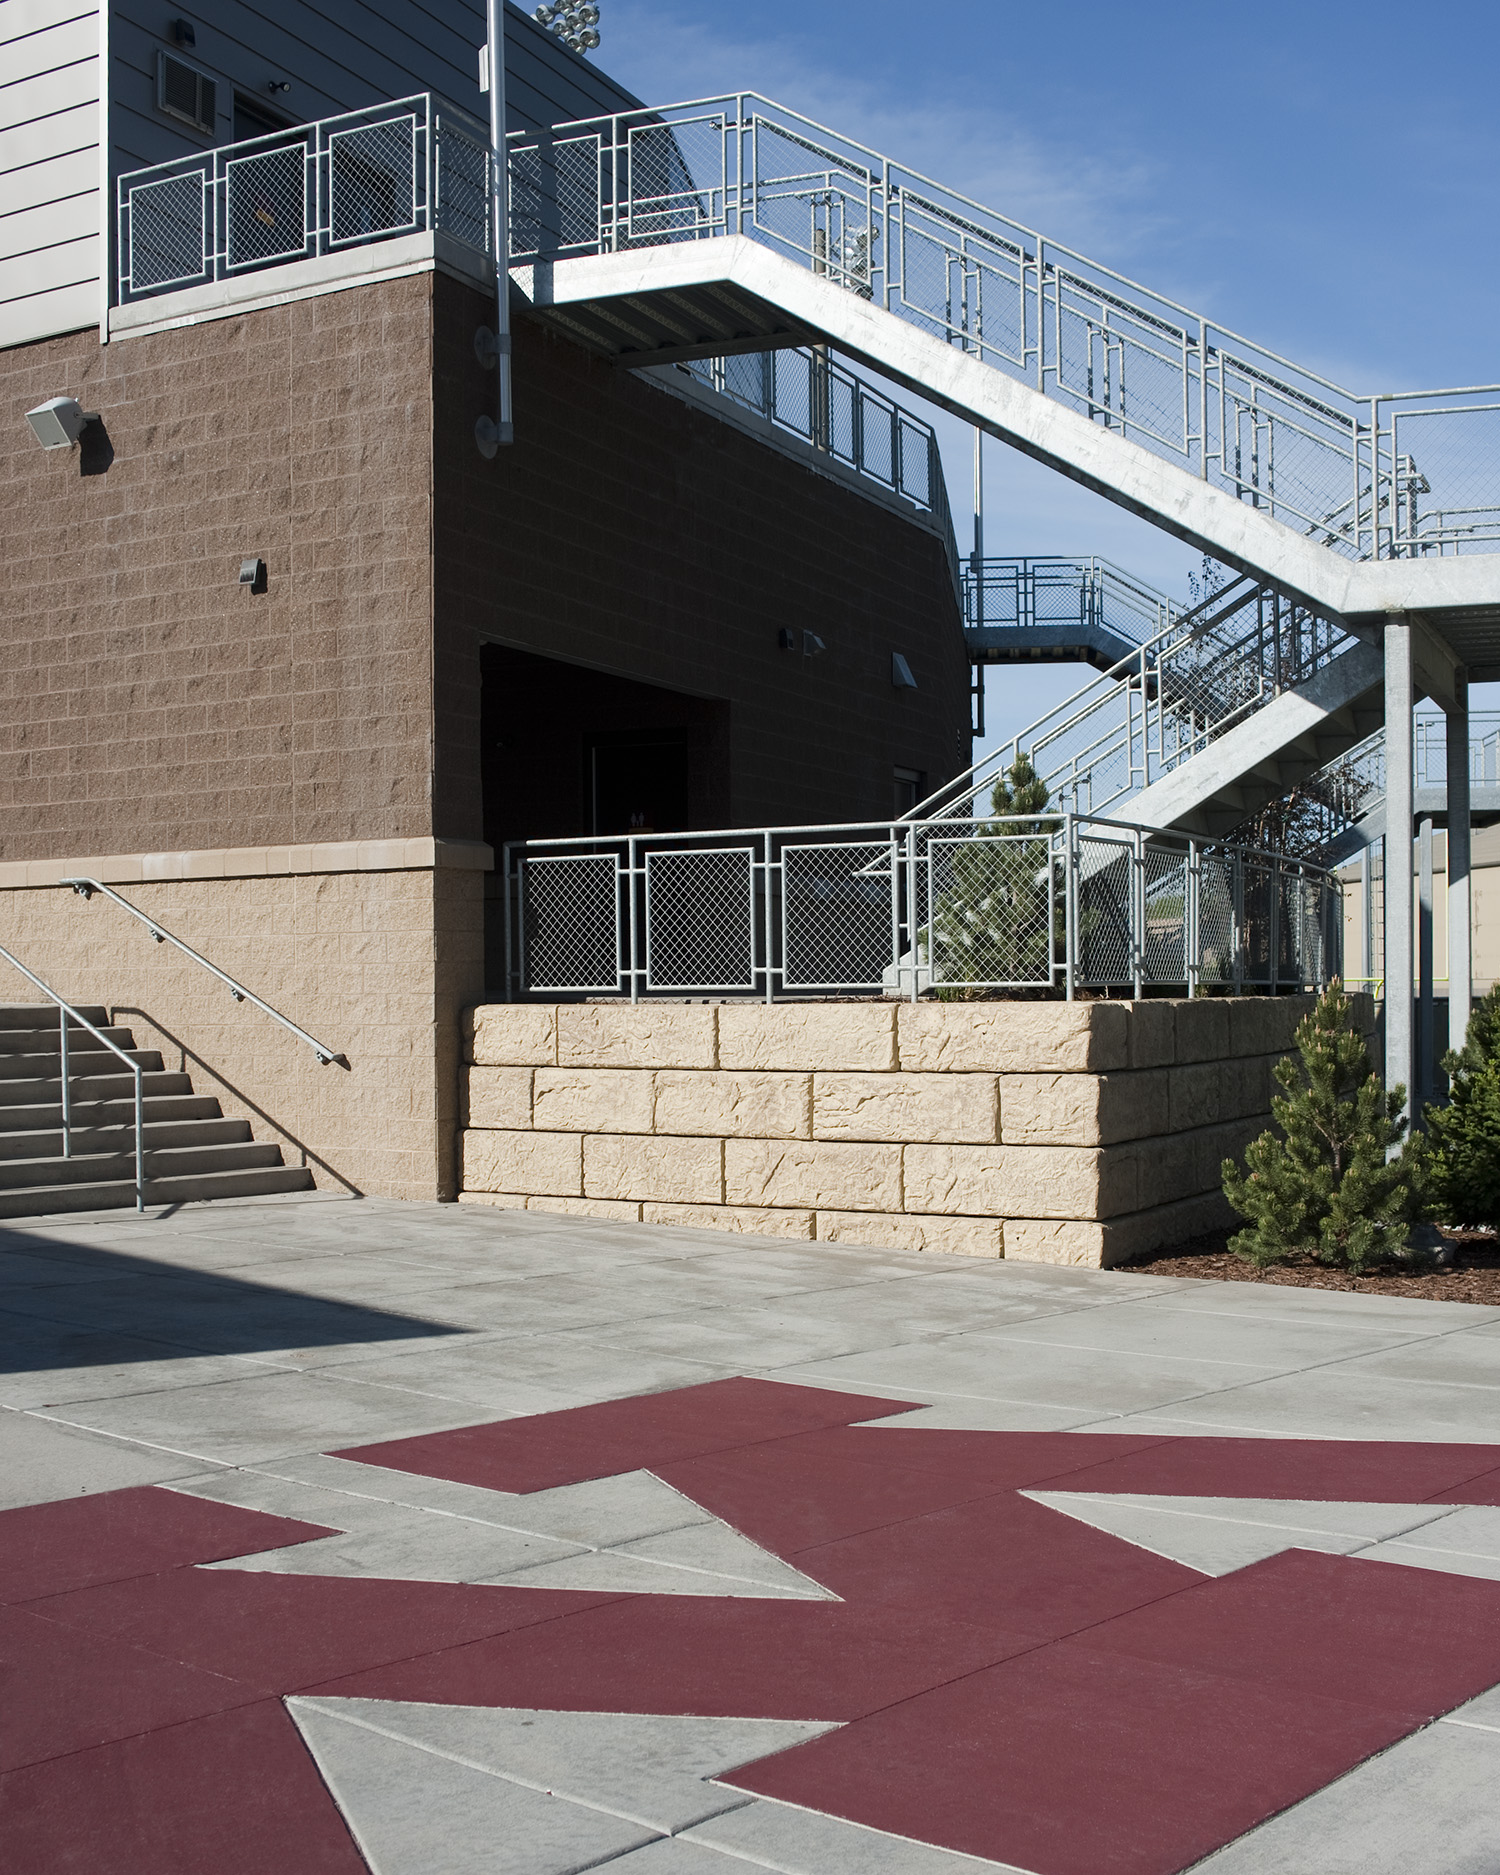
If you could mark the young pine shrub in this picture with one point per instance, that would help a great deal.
(1326, 1187)
(1461, 1152)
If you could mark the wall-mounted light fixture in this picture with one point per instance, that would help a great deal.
(786, 640)
(901, 676)
(279, 84)
(253, 574)
(58, 423)
(812, 645)
(183, 34)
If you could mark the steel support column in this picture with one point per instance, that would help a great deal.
(1398, 854)
(1460, 914)
(1422, 1088)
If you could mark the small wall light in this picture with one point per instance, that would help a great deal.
(901, 675)
(812, 645)
(787, 640)
(58, 423)
(253, 574)
(183, 34)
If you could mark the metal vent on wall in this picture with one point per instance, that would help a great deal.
(184, 92)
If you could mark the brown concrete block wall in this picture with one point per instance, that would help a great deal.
(915, 1126)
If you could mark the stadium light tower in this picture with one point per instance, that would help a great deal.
(576, 23)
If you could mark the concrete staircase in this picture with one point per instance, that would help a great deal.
(192, 1150)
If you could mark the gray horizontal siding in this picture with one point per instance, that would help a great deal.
(49, 168)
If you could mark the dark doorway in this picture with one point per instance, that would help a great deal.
(254, 119)
(639, 781)
(567, 751)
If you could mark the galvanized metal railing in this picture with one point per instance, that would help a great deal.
(811, 395)
(1060, 902)
(1369, 475)
(407, 167)
(85, 888)
(65, 1013)
(1030, 592)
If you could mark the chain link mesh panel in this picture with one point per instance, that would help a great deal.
(168, 233)
(1164, 945)
(463, 187)
(1217, 960)
(1104, 917)
(265, 206)
(675, 186)
(836, 915)
(994, 912)
(372, 181)
(700, 920)
(555, 202)
(571, 919)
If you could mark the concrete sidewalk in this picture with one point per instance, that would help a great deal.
(225, 1351)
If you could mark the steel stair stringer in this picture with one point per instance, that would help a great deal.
(1260, 759)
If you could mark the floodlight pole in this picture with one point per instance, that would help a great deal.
(500, 197)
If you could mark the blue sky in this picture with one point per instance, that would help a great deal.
(1321, 177)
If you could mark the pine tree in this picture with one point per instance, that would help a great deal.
(1326, 1188)
(993, 920)
(1461, 1153)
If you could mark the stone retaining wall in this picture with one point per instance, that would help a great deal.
(1049, 1132)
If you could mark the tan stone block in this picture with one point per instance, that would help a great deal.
(1048, 1240)
(500, 1200)
(549, 1164)
(1264, 1025)
(1202, 1029)
(498, 1097)
(623, 1209)
(830, 1036)
(1082, 1109)
(752, 1220)
(1107, 1245)
(1218, 1143)
(886, 1230)
(902, 1107)
(1013, 1038)
(1153, 1034)
(1020, 1181)
(658, 1167)
(636, 1035)
(1197, 1095)
(811, 1173)
(593, 1100)
(745, 1105)
(510, 1035)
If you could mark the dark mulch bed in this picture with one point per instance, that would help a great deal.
(1475, 1276)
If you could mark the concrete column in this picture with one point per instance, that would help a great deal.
(1398, 854)
(1460, 912)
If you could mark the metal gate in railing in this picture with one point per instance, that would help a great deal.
(1061, 903)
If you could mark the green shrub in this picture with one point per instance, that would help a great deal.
(1326, 1188)
(1461, 1153)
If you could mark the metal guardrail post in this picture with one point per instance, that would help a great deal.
(1192, 934)
(67, 1103)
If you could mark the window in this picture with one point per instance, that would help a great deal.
(910, 786)
(185, 93)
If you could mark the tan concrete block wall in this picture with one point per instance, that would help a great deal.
(594, 1100)
(743, 1105)
(665, 1170)
(540, 1164)
(498, 1097)
(377, 965)
(902, 1107)
(830, 1036)
(791, 1172)
(1084, 1133)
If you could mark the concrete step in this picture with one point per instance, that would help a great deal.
(37, 1067)
(37, 1116)
(46, 1142)
(118, 1086)
(48, 1041)
(112, 1194)
(102, 1167)
(44, 1015)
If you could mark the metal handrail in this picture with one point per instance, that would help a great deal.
(66, 1009)
(327, 1056)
